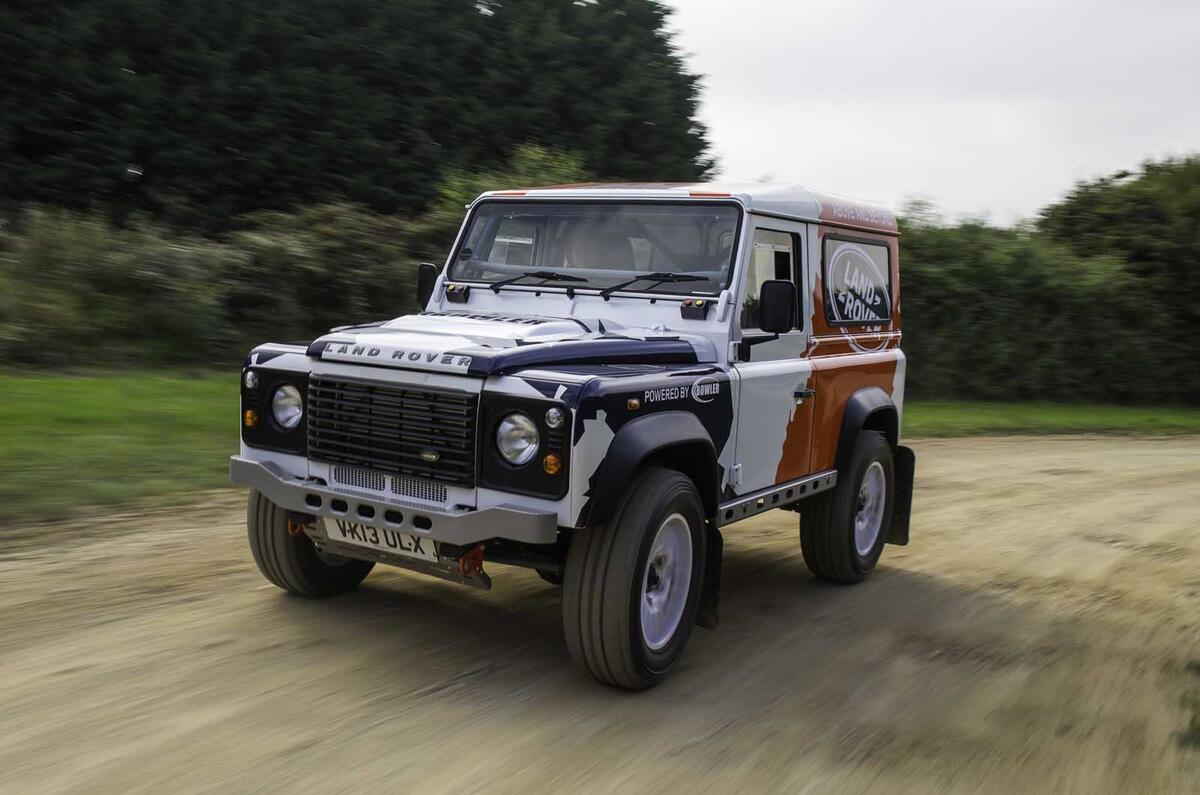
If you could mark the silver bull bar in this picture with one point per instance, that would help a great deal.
(459, 527)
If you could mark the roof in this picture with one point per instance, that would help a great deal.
(788, 201)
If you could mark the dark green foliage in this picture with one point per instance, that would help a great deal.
(1001, 314)
(198, 112)
(1095, 303)
(1150, 221)
(78, 292)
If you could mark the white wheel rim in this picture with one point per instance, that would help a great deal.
(666, 581)
(868, 519)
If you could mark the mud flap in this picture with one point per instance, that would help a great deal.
(905, 463)
(710, 596)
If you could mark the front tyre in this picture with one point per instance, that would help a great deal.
(632, 589)
(842, 533)
(292, 561)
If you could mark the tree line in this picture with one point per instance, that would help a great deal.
(1096, 299)
(1093, 301)
(198, 112)
(185, 178)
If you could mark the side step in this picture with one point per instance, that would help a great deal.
(781, 495)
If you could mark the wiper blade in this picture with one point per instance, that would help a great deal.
(545, 276)
(658, 278)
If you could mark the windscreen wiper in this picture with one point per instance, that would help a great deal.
(657, 277)
(545, 276)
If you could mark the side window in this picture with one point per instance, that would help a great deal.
(513, 244)
(858, 282)
(771, 257)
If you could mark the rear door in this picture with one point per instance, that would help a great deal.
(775, 409)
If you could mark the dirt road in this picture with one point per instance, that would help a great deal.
(1040, 634)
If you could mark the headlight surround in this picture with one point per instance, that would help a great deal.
(287, 407)
(517, 439)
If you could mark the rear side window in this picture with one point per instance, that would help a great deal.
(858, 282)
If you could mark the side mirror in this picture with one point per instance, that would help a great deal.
(777, 306)
(427, 274)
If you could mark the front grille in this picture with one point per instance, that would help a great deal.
(393, 429)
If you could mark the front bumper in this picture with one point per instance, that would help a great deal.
(461, 528)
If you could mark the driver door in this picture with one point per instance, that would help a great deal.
(775, 406)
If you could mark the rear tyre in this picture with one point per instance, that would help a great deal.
(631, 589)
(291, 561)
(842, 532)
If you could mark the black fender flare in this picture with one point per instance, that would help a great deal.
(643, 438)
(869, 407)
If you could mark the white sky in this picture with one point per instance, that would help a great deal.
(988, 109)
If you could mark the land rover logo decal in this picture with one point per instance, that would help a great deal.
(430, 455)
(858, 292)
(705, 390)
(856, 285)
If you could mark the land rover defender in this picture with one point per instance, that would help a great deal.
(602, 381)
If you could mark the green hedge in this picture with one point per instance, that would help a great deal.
(1001, 314)
(76, 292)
(79, 293)
(1038, 312)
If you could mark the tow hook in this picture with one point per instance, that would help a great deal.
(471, 562)
(297, 521)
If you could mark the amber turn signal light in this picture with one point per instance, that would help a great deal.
(551, 464)
(250, 418)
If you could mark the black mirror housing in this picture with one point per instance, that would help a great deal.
(427, 274)
(777, 306)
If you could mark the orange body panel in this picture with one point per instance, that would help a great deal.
(845, 360)
(797, 446)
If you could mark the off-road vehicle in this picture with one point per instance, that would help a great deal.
(603, 379)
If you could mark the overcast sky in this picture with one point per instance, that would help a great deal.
(986, 108)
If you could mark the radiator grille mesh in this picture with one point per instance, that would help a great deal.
(413, 488)
(360, 478)
(419, 489)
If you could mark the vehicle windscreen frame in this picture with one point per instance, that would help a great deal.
(658, 292)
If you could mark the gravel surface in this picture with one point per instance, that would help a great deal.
(1040, 634)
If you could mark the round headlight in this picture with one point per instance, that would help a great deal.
(517, 439)
(555, 417)
(287, 407)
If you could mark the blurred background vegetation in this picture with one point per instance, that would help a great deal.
(183, 180)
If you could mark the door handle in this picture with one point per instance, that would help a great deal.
(801, 394)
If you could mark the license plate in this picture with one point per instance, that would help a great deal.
(378, 538)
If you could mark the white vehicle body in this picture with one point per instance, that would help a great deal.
(672, 372)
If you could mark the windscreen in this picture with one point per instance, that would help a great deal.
(598, 245)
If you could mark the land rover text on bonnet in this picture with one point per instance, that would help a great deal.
(604, 380)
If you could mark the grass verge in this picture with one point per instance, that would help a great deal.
(67, 442)
(945, 418)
